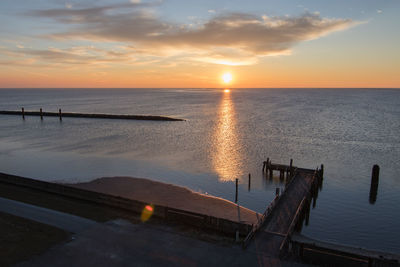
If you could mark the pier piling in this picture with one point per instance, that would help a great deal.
(236, 194)
(291, 167)
(322, 170)
(373, 192)
(249, 181)
(375, 172)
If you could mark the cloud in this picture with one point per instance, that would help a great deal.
(234, 39)
(75, 56)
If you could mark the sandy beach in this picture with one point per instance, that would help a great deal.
(170, 195)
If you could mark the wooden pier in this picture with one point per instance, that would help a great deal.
(60, 114)
(272, 234)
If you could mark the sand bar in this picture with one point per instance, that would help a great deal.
(173, 196)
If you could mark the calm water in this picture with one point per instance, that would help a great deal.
(226, 136)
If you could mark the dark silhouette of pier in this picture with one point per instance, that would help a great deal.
(272, 234)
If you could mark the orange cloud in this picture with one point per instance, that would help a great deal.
(230, 39)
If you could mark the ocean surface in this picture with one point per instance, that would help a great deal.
(226, 135)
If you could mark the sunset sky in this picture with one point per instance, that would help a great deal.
(177, 43)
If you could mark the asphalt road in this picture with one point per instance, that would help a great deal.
(120, 243)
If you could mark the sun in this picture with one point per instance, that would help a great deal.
(227, 77)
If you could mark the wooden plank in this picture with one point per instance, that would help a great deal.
(292, 225)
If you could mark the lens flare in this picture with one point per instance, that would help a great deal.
(147, 213)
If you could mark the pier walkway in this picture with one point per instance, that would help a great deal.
(271, 235)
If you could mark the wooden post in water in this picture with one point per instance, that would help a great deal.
(23, 113)
(236, 194)
(41, 114)
(59, 113)
(375, 172)
(249, 181)
(291, 168)
(373, 192)
(307, 212)
(322, 170)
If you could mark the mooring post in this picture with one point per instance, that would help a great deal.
(41, 114)
(307, 212)
(249, 181)
(59, 113)
(23, 113)
(373, 192)
(236, 195)
(375, 172)
(322, 170)
(291, 167)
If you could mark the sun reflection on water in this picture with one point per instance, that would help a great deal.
(226, 158)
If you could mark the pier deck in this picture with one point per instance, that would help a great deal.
(272, 234)
(271, 237)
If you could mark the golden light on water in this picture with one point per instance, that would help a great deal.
(226, 158)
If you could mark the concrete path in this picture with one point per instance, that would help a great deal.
(64, 221)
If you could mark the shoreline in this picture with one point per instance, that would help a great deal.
(179, 205)
(170, 195)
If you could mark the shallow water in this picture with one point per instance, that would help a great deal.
(226, 136)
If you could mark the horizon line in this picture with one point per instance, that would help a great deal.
(210, 88)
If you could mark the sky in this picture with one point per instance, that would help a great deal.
(191, 44)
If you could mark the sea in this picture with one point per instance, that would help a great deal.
(226, 135)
